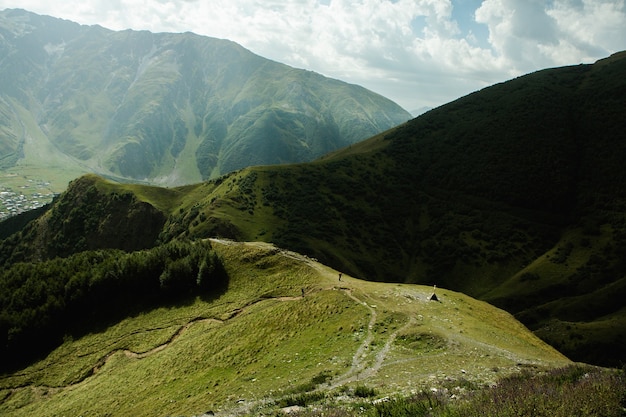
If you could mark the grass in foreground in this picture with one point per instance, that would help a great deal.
(575, 390)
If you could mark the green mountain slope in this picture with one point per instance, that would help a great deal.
(90, 216)
(164, 108)
(284, 326)
(513, 194)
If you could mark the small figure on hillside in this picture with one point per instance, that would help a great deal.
(340, 276)
(302, 292)
(434, 296)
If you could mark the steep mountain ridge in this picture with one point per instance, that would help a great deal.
(166, 108)
(513, 194)
(88, 217)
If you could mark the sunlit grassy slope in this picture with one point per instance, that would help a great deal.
(513, 195)
(285, 321)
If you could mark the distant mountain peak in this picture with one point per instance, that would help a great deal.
(167, 108)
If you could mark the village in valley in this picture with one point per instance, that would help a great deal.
(18, 197)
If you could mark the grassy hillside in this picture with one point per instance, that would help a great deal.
(512, 195)
(284, 326)
(41, 304)
(89, 215)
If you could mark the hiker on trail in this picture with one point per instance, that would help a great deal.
(302, 292)
(340, 276)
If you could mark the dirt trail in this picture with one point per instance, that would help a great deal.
(234, 313)
(364, 363)
(141, 355)
(359, 359)
(175, 336)
(366, 360)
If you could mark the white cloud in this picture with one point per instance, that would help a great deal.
(589, 29)
(532, 34)
(517, 30)
(416, 52)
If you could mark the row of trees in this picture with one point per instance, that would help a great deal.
(42, 302)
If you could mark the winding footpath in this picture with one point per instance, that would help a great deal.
(363, 364)
(366, 360)
(141, 355)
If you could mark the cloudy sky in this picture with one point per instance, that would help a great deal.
(419, 53)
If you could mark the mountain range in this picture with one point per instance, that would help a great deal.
(164, 108)
(513, 194)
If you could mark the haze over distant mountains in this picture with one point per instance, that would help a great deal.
(165, 108)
